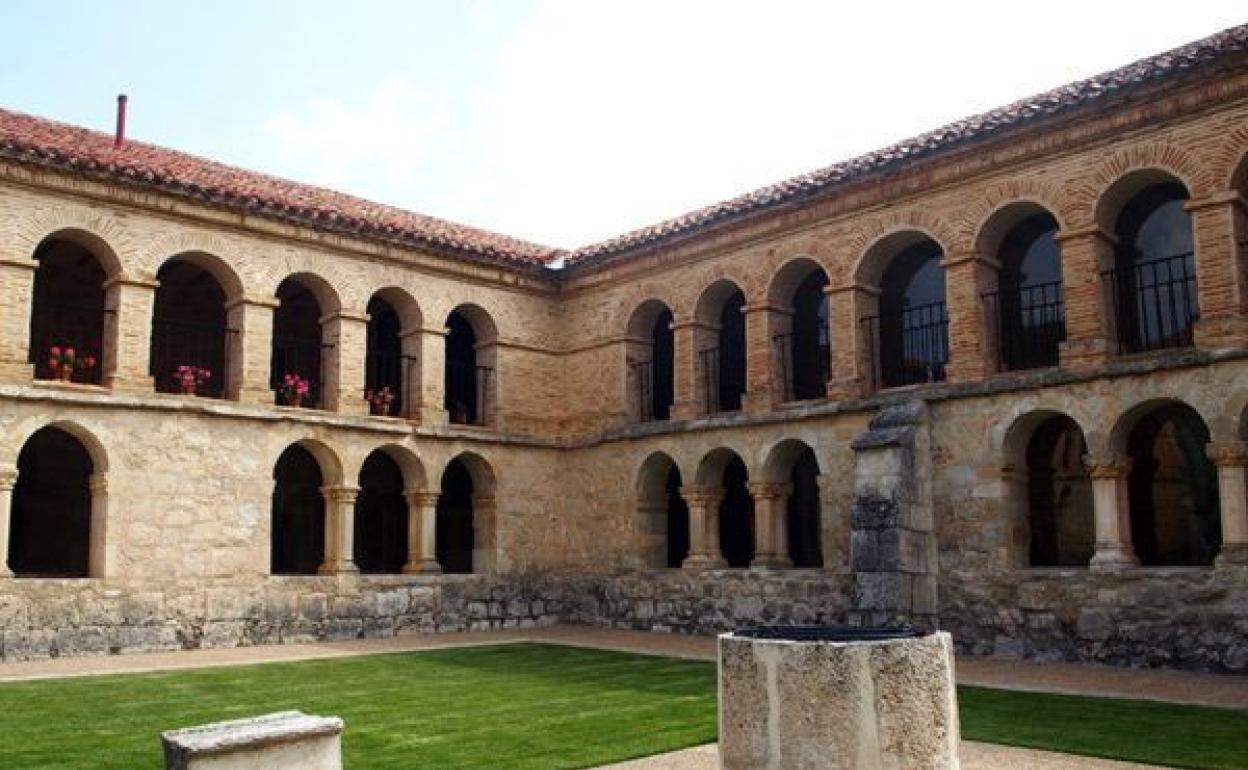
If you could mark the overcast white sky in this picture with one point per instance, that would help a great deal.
(569, 121)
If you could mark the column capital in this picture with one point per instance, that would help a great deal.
(1094, 232)
(1227, 453)
(964, 256)
(98, 483)
(345, 315)
(126, 280)
(425, 498)
(769, 490)
(701, 494)
(484, 501)
(253, 300)
(1107, 464)
(8, 479)
(340, 494)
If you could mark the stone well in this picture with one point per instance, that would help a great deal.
(826, 698)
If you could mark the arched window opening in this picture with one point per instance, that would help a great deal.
(386, 368)
(465, 380)
(189, 329)
(1153, 280)
(677, 520)
(455, 532)
(662, 391)
(297, 347)
(913, 324)
(1173, 489)
(650, 356)
(808, 349)
(1059, 496)
(67, 313)
(50, 531)
(736, 516)
(723, 365)
(804, 528)
(1028, 306)
(298, 535)
(381, 517)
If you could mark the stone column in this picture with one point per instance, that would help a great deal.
(484, 533)
(1231, 458)
(1091, 319)
(250, 350)
(8, 479)
(339, 530)
(422, 533)
(968, 276)
(17, 287)
(761, 380)
(1109, 472)
(99, 561)
(852, 345)
(128, 334)
(703, 505)
(687, 395)
(833, 528)
(771, 529)
(1219, 222)
(343, 366)
(652, 533)
(429, 388)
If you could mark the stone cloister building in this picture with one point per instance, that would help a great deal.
(993, 378)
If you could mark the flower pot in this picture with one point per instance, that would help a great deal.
(292, 399)
(188, 390)
(65, 373)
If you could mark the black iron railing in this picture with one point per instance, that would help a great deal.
(468, 392)
(709, 359)
(1030, 323)
(1154, 302)
(393, 370)
(908, 347)
(178, 343)
(68, 326)
(793, 379)
(301, 356)
(641, 374)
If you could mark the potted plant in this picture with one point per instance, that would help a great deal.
(189, 378)
(379, 401)
(65, 361)
(293, 389)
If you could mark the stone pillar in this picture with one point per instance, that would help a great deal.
(8, 479)
(852, 344)
(1111, 506)
(429, 388)
(422, 533)
(892, 547)
(652, 533)
(1231, 458)
(685, 370)
(968, 276)
(761, 383)
(485, 536)
(771, 524)
(17, 287)
(1091, 319)
(833, 532)
(343, 367)
(1218, 224)
(703, 505)
(99, 561)
(250, 352)
(128, 334)
(339, 530)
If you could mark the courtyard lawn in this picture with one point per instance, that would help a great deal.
(527, 707)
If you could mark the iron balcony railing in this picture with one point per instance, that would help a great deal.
(794, 382)
(302, 356)
(710, 379)
(80, 327)
(393, 370)
(183, 343)
(908, 347)
(468, 392)
(1030, 323)
(1154, 302)
(641, 374)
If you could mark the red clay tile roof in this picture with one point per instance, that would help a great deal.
(1217, 50)
(33, 140)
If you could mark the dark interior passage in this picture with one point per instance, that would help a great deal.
(455, 538)
(913, 322)
(50, 532)
(1030, 311)
(67, 310)
(298, 544)
(736, 516)
(297, 345)
(463, 401)
(380, 517)
(663, 363)
(803, 513)
(810, 347)
(1059, 496)
(729, 363)
(189, 328)
(677, 520)
(384, 364)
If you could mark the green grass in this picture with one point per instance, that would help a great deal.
(529, 707)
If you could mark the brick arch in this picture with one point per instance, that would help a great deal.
(1001, 443)
(1087, 202)
(85, 436)
(182, 241)
(627, 306)
(783, 280)
(96, 231)
(980, 212)
(1126, 420)
(1229, 162)
(868, 267)
(349, 291)
(696, 288)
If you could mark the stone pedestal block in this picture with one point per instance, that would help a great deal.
(287, 740)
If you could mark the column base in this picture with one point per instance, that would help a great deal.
(1232, 556)
(347, 568)
(1111, 558)
(703, 561)
(771, 561)
(424, 567)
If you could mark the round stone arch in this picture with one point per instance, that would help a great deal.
(727, 510)
(333, 470)
(393, 349)
(1115, 194)
(99, 233)
(466, 516)
(472, 383)
(649, 361)
(793, 528)
(720, 347)
(975, 219)
(661, 517)
(799, 329)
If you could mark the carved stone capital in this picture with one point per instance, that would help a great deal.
(770, 490)
(98, 483)
(340, 495)
(1232, 454)
(1107, 465)
(8, 479)
(422, 498)
(701, 496)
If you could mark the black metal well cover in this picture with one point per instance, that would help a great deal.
(831, 633)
